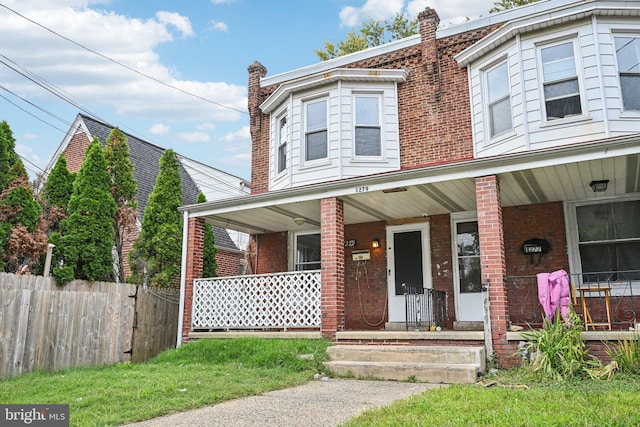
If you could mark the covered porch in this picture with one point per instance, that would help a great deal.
(460, 226)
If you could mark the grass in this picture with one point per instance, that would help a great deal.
(195, 375)
(569, 403)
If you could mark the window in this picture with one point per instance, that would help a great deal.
(628, 54)
(468, 254)
(609, 238)
(316, 130)
(499, 99)
(560, 81)
(307, 252)
(367, 125)
(283, 136)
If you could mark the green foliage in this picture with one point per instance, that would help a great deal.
(124, 189)
(558, 349)
(626, 354)
(157, 251)
(87, 234)
(8, 156)
(63, 275)
(503, 5)
(209, 263)
(371, 33)
(59, 186)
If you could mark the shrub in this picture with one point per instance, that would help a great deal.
(626, 354)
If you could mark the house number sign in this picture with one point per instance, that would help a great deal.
(350, 243)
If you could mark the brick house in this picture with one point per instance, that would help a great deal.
(456, 164)
(145, 157)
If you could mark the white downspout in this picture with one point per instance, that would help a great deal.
(183, 274)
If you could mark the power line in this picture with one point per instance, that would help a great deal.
(30, 113)
(121, 64)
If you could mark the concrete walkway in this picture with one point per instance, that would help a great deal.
(318, 403)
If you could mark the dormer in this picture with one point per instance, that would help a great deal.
(334, 124)
(555, 73)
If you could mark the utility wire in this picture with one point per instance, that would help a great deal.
(35, 106)
(121, 64)
(30, 113)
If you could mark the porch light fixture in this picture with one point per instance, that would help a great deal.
(375, 243)
(299, 220)
(599, 186)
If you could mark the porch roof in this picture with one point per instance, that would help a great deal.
(555, 174)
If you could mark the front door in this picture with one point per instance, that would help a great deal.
(408, 259)
(466, 253)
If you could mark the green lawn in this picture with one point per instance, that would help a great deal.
(577, 403)
(196, 375)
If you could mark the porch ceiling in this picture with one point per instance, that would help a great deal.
(562, 174)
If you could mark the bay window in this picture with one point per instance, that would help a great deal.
(560, 81)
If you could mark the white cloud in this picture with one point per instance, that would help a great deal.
(194, 137)
(241, 135)
(159, 129)
(378, 10)
(207, 127)
(180, 22)
(219, 26)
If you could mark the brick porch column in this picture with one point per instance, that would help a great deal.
(193, 269)
(332, 256)
(492, 261)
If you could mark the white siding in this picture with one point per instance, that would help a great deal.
(340, 162)
(600, 90)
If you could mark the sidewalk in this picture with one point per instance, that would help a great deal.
(318, 403)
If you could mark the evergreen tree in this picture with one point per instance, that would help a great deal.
(209, 263)
(86, 238)
(123, 188)
(371, 33)
(56, 194)
(22, 238)
(8, 155)
(156, 253)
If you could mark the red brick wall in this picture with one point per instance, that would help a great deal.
(442, 267)
(228, 263)
(366, 283)
(74, 153)
(195, 246)
(272, 253)
(332, 303)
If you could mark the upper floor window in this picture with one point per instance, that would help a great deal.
(560, 81)
(628, 54)
(499, 99)
(367, 126)
(283, 136)
(316, 130)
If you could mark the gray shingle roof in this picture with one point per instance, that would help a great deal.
(145, 157)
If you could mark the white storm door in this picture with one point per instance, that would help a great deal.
(408, 261)
(467, 275)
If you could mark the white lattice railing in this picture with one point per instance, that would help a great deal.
(282, 300)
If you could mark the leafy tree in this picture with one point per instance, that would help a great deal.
(502, 5)
(156, 253)
(209, 263)
(86, 237)
(56, 194)
(371, 33)
(22, 237)
(123, 188)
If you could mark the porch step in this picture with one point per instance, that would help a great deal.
(433, 364)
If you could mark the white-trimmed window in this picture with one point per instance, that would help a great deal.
(307, 251)
(608, 238)
(628, 55)
(282, 138)
(367, 130)
(561, 86)
(498, 99)
(316, 132)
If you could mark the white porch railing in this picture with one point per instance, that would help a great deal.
(281, 300)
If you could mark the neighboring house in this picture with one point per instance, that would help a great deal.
(459, 161)
(145, 157)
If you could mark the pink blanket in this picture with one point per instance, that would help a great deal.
(553, 292)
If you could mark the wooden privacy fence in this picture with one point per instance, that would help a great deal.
(46, 327)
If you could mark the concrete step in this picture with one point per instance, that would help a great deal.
(402, 371)
(436, 364)
(415, 354)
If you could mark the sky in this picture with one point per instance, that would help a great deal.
(171, 72)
